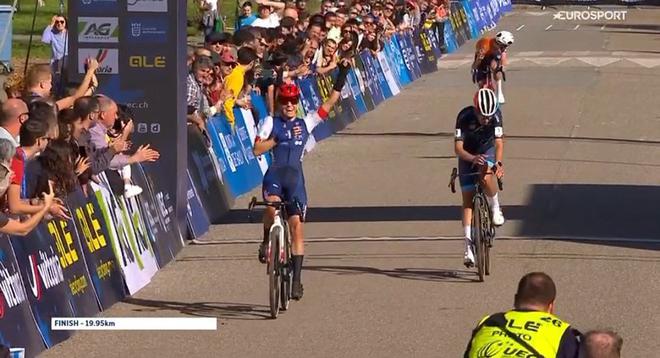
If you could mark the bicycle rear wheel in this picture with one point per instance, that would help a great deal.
(287, 272)
(274, 273)
(478, 238)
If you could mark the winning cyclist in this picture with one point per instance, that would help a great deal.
(479, 147)
(285, 136)
(489, 58)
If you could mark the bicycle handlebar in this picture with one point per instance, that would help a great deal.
(454, 175)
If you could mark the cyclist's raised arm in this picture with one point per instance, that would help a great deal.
(314, 118)
(344, 66)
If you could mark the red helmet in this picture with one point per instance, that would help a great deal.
(289, 91)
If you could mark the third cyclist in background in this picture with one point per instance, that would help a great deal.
(489, 59)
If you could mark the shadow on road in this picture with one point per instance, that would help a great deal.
(615, 215)
(223, 310)
(423, 274)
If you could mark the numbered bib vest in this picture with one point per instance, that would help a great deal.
(543, 331)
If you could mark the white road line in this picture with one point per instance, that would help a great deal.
(548, 28)
(520, 27)
(603, 27)
(444, 238)
(576, 27)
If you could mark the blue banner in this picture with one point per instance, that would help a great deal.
(198, 222)
(241, 171)
(394, 50)
(371, 78)
(470, 13)
(354, 86)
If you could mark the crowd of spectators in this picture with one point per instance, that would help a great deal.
(51, 146)
(281, 41)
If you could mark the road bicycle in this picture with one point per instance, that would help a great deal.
(483, 230)
(279, 266)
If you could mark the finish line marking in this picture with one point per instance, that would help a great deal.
(441, 238)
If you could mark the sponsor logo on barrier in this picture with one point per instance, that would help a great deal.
(13, 291)
(147, 30)
(147, 61)
(44, 268)
(147, 5)
(98, 29)
(576, 15)
(144, 128)
(138, 105)
(108, 59)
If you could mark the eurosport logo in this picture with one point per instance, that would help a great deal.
(576, 15)
(145, 30)
(147, 5)
(98, 29)
(108, 59)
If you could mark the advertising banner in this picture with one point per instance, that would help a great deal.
(18, 328)
(137, 266)
(394, 51)
(370, 77)
(207, 177)
(198, 222)
(158, 214)
(48, 290)
(97, 249)
(389, 75)
(362, 82)
(354, 86)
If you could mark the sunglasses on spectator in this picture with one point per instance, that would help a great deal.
(59, 21)
(285, 101)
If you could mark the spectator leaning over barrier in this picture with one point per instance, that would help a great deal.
(34, 140)
(328, 60)
(87, 109)
(40, 83)
(71, 128)
(235, 81)
(531, 327)
(55, 34)
(247, 17)
(108, 116)
(54, 165)
(11, 226)
(601, 344)
(14, 113)
(195, 99)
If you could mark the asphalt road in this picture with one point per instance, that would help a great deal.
(383, 272)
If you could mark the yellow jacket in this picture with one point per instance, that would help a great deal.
(234, 83)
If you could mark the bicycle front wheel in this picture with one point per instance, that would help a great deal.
(478, 238)
(274, 273)
(287, 272)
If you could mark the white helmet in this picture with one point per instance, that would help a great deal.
(486, 102)
(504, 38)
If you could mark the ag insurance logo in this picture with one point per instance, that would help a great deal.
(108, 59)
(98, 29)
(147, 5)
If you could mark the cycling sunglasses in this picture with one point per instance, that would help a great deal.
(286, 100)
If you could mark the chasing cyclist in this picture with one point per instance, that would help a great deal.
(285, 136)
(489, 58)
(479, 147)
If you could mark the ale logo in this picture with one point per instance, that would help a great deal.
(107, 58)
(147, 61)
(98, 29)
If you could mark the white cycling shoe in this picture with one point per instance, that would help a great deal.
(468, 259)
(498, 217)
